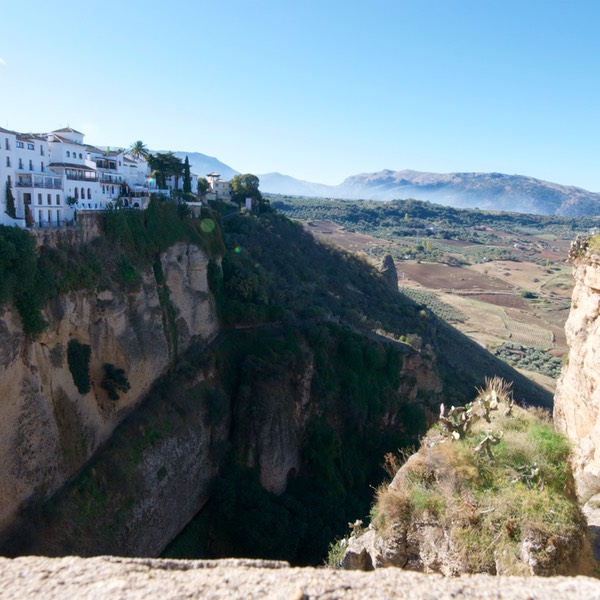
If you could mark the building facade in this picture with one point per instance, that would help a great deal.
(46, 178)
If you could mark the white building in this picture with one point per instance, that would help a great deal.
(54, 175)
(38, 190)
(219, 189)
(68, 156)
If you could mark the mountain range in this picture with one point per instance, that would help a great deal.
(488, 191)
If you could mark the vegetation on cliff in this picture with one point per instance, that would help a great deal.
(274, 274)
(495, 481)
(132, 240)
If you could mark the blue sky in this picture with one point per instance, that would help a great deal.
(319, 90)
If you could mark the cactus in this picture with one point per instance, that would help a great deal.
(491, 439)
(460, 418)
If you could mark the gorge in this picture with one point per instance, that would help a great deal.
(268, 377)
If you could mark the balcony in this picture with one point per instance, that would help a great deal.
(84, 176)
(109, 178)
(49, 183)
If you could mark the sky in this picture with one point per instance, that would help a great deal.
(318, 89)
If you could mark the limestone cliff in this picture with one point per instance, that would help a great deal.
(48, 430)
(577, 400)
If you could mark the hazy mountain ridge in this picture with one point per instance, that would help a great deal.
(490, 191)
(497, 191)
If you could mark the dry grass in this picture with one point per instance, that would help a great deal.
(491, 502)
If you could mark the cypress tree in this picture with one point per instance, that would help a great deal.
(10, 203)
(187, 178)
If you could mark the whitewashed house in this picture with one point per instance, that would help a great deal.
(53, 175)
(8, 143)
(38, 191)
(219, 189)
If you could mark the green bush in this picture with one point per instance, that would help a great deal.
(78, 359)
(114, 381)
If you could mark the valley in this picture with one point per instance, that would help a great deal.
(500, 278)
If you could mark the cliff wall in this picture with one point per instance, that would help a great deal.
(577, 400)
(48, 430)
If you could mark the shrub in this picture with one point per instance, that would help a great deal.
(78, 359)
(114, 381)
(528, 295)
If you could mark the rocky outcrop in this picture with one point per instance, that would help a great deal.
(577, 400)
(389, 272)
(463, 504)
(48, 429)
(72, 577)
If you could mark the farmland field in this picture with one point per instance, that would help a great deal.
(500, 278)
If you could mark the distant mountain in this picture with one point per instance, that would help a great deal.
(201, 165)
(492, 191)
(276, 183)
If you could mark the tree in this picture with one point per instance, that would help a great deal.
(10, 202)
(203, 186)
(187, 178)
(138, 150)
(246, 186)
(163, 166)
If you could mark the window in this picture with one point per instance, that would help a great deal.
(58, 199)
(80, 155)
(76, 194)
(103, 190)
(41, 150)
(82, 193)
(42, 166)
(20, 145)
(49, 198)
(30, 165)
(68, 154)
(30, 147)
(39, 199)
(8, 161)
(6, 144)
(20, 163)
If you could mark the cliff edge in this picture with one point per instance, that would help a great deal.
(577, 400)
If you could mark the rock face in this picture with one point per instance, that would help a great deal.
(48, 429)
(577, 400)
(389, 272)
(72, 577)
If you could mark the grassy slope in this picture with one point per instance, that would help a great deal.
(491, 501)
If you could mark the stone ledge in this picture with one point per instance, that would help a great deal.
(113, 577)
